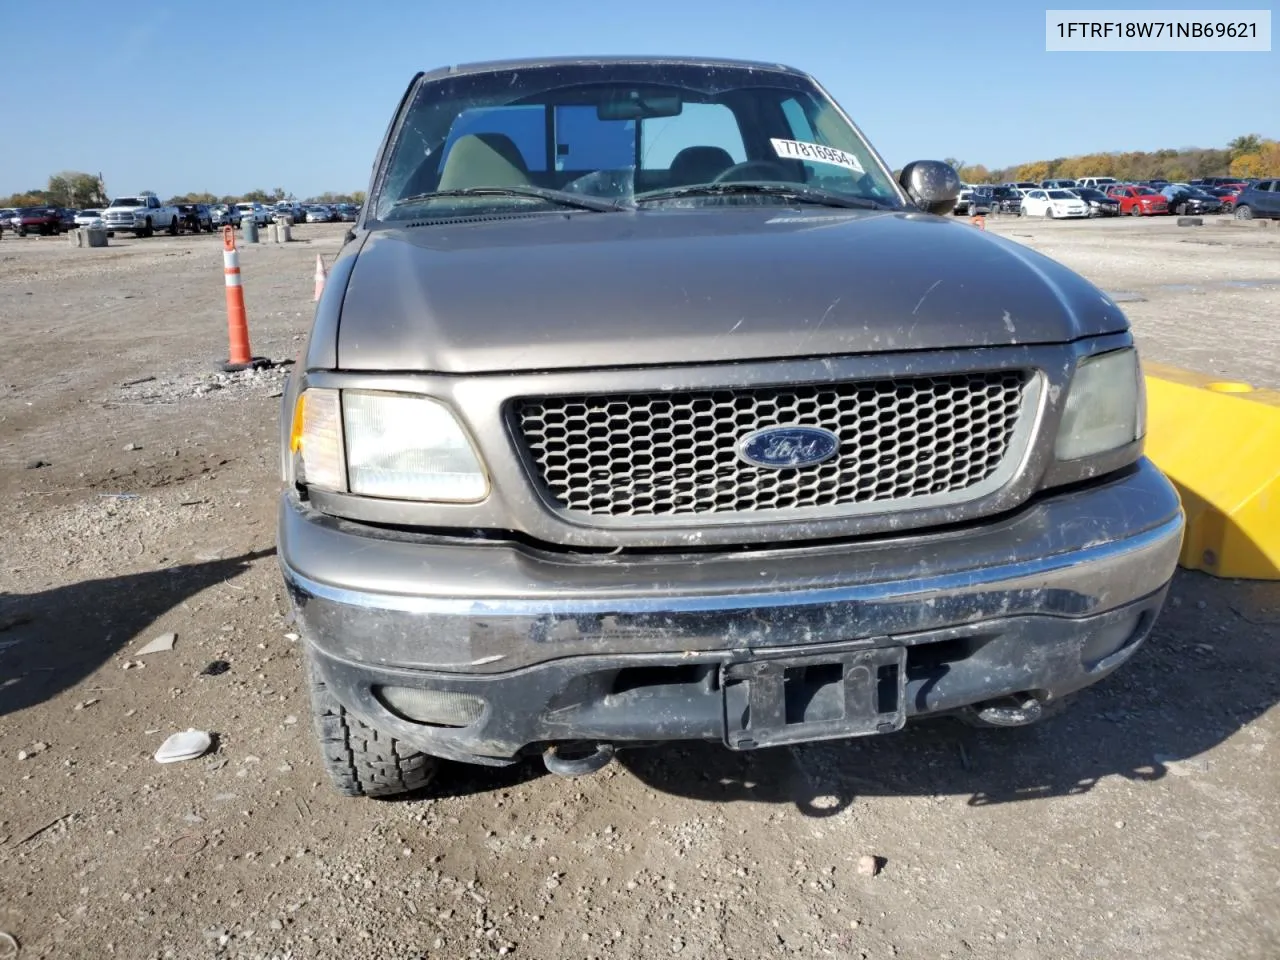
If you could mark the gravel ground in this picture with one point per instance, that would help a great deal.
(1141, 823)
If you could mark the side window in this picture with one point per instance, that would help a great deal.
(525, 125)
(697, 125)
(585, 142)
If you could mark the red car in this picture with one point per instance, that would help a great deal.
(1139, 201)
(1227, 194)
(43, 220)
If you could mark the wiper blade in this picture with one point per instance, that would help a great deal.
(561, 197)
(795, 192)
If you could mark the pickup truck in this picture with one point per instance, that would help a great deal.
(752, 444)
(140, 214)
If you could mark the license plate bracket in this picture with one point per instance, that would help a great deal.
(774, 701)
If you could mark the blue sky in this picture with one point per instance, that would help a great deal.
(174, 102)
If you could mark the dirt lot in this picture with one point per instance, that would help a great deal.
(1140, 824)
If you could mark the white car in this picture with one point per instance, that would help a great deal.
(1052, 203)
(90, 220)
(261, 215)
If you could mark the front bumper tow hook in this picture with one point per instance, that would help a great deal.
(572, 760)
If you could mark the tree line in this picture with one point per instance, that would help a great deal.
(80, 191)
(1249, 155)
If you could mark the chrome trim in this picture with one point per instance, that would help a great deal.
(1009, 577)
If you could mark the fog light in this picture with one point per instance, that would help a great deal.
(1110, 639)
(440, 708)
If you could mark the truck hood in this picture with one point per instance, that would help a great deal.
(686, 286)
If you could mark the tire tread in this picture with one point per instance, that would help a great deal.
(364, 761)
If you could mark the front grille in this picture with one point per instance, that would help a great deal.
(665, 454)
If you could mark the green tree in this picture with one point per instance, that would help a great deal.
(74, 188)
(1248, 143)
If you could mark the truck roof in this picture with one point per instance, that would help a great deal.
(487, 66)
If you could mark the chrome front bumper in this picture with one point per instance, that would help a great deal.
(574, 647)
(396, 599)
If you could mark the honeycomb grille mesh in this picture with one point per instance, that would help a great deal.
(667, 454)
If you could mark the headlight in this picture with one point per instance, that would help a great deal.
(410, 448)
(392, 445)
(1105, 406)
(316, 440)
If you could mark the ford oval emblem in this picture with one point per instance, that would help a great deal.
(781, 447)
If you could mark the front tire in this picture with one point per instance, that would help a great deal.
(173, 226)
(1243, 212)
(148, 230)
(361, 760)
(1135, 210)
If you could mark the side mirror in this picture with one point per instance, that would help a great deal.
(932, 185)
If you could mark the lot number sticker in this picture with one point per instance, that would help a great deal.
(799, 150)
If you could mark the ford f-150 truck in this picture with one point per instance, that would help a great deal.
(643, 404)
(141, 214)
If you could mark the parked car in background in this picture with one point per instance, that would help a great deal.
(974, 200)
(1100, 205)
(1007, 199)
(90, 218)
(1059, 184)
(261, 215)
(1138, 201)
(1053, 204)
(1184, 199)
(45, 221)
(1259, 200)
(532, 504)
(1024, 185)
(1227, 196)
(6, 218)
(222, 215)
(141, 214)
(1097, 183)
(66, 219)
(347, 212)
(319, 214)
(195, 217)
(289, 208)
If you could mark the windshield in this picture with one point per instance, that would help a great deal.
(89, 213)
(1145, 192)
(619, 132)
(128, 202)
(1061, 195)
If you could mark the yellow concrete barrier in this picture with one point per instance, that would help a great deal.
(1219, 442)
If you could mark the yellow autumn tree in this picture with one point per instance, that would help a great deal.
(1035, 172)
(1263, 162)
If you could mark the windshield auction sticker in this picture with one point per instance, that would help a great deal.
(799, 150)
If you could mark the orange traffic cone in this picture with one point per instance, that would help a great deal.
(239, 355)
(321, 275)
